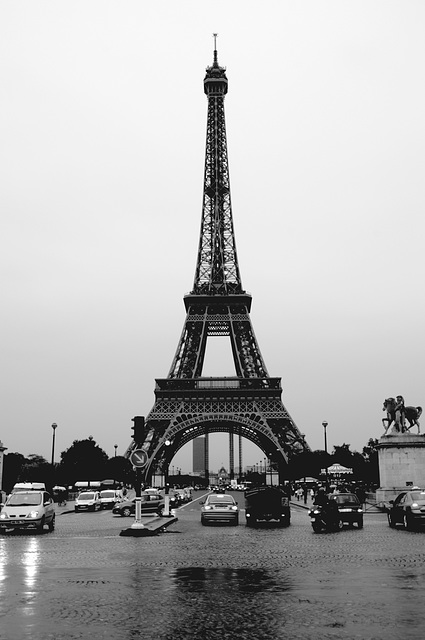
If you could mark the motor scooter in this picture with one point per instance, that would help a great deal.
(325, 518)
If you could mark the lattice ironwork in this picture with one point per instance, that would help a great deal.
(188, 405)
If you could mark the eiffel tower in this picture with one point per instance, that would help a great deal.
(188, 405)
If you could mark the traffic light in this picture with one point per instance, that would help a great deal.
(138, 429)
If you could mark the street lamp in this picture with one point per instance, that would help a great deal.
(115, 447)
(2, 450)
(54, 427)
(324, 425)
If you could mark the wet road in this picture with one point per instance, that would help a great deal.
(192, 582)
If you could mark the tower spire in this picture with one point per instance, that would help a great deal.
(215, 49)
(217, 269)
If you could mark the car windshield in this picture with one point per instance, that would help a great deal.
(24, 499)
(86, 496)
(347, 498)
(418, 496)
(220, 500)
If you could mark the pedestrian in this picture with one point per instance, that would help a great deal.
(305, 494)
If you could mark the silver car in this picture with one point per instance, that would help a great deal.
(219, 507)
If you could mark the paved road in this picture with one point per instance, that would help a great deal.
(85, 581)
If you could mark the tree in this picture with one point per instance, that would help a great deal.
(84, 460)
(307, 464)
(36, 469)
(351, 459)
(370, 454)
(12, 466)
(120, 469)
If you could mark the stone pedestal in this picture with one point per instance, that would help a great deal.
(401, 460)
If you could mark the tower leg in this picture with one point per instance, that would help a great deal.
(240, 458)
(207, 458)
(231, 456)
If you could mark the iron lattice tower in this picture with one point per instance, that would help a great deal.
(188, 405)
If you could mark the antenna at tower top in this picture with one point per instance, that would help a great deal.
(215, 47)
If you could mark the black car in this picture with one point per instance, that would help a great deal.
(267, 504)
(408, 509)
(349, 507)
(149, 502)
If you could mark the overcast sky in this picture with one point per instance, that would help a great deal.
(102, 125)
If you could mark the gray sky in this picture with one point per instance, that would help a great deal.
(103, 121)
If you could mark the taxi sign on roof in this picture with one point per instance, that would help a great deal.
(29, 486)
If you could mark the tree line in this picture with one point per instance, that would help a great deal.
(364, 465)
(83, 460)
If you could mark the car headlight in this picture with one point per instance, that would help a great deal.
(234, 507)
(207, 507)
(3, 516)
(33, 514)
(360, 510)
(415, 505)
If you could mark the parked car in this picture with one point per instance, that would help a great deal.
(174, 499)
(219, 507)
(149, 502)
(28, 509)
(87, 501)
(349, 507)
(408, 509)
(109, 497)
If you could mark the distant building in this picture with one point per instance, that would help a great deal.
(199, 455)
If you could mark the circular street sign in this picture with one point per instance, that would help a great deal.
(139, 458)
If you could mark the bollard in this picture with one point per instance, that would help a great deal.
(166, 504)
(137, 524)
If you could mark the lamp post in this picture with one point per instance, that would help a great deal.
(2, 450)
(54, 427)
(115, 447)
(324, 425)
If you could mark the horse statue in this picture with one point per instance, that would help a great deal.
(398, 413)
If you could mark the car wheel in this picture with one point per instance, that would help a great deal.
(391, 521)
(360, 523)
(40, 527)
(316, 527)
(236, 522)
(52, 524)
(126, 512)
(408, 522)
(204, 522)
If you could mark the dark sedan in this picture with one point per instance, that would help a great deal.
(349, 507)
(149, 502)
(408, 509)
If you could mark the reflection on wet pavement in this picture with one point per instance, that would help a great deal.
(209, 603)
(228, 583)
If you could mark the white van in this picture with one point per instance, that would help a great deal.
(109, 497)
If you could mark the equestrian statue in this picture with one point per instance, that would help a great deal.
(398, 413)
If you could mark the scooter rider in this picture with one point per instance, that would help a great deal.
(321, 498)
(330, 507)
